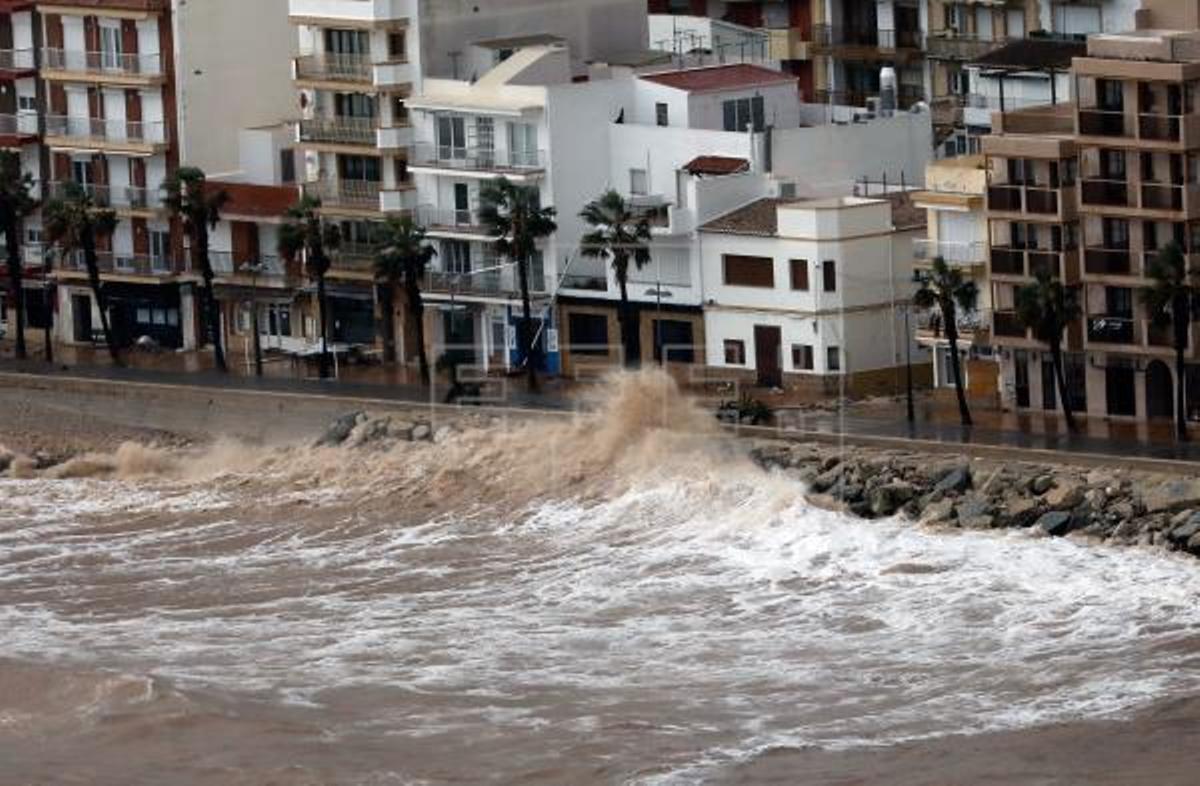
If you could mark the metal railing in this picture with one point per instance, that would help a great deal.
(1113, 193)
(585, 281)
(475, 158)
(16, 59)
(826, 35)
(441, 218)
(1113, 329)
(1107, 261)
(954, 252)
(1007, 324)
(1103, 122)
(108, 196)
(340, 130)
(953, 45)
(102, 62)
(348, 193)
(130, 264)
(334, 67)
(102, 130)
(492, 278)
(224, 262)
(21, 123)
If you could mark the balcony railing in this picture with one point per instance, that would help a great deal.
(1041, 200)
(448, 218)
(1006, 323)
(1112, 193)
(1161, 196)
(1113, 329)
(490, 279)
(587, 282)
(1004, 198)
(956, 253)
(102, 62)
(340, 130)
(953, 45)
(1045, 263)
(334, 67)
(1160, 128)
(23, 124)
(129, 264)
(1008, 261)
(98, 130)
(346, 193)
(476, 159)
(826, 35)
(1099, 122)
(108, 196)
(1107, 261)
(225, 263)
(16, 60)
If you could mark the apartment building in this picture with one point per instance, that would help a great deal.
(126, 90)
(359, 66)
(809, 294)
(1091, 191)
(957, 232)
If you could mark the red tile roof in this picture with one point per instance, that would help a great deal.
(716, 165)
(255, 201)
(724, 77)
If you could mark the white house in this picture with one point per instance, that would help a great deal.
(809, 293)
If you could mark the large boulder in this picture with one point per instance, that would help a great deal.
(1066, 494)
(887, 499)
(1172, 495)
(938, 512)
(954, 481)
(1186, 530)
(339, 431)
(1055, 522)
(1021, 511)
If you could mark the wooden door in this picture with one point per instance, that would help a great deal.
(768, 341)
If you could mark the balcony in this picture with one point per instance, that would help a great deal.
(1161, 196)
(347, 68)
(395, 137)
(109, 65)
(1160, 128)
(953, 45)
(1107, 262)
(124, 264)
(972, 326)
(1103, 123)
(449, 221)
(340, 130)
(828, 36)
(17, 61)
(348, 194)
(585, 282)
(955, 253)
(130, 197)
(19, 128)
(1008, 261)
(1004, 199)
(1106, 193)
(1043, 201)
(484, 161)
(490, 279)
(1113, 329)
(789, 43)
(268, 266)
(98, 133)
(1006, 324)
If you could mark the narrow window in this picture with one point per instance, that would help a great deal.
(735, 352)
(829, 274)
(799, 275)
(662, 114)
(833, 359)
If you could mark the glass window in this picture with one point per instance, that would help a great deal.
(735, 352)
(638, 182)
(802, 357)
(589, 334)
(799, 274)
(662, 114)
(746, 271)
(829, 275)
(833, 358)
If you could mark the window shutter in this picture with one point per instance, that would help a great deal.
(730, 110)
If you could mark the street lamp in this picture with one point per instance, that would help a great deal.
(255, 269)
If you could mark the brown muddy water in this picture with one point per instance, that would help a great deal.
(601, 601)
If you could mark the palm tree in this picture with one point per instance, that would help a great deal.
(404, 256)
(1171, 299)
(199, 210)
(623, 236)
(15, 204)
(303, 233)
(1047, 307)
(73, 222)
(947, 290)
(514, 215)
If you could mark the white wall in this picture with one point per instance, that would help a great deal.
(829, 159)
(781, 110)
(662, 151)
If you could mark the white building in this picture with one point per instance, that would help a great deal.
(809, 293)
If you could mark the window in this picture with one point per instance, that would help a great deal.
(829, 275)
(637, 182)
(662, 114)
(799, 274)
(743, 271)
(522, 144)
(676, 337)
(160, 250)
(400, 170)
(451, 137)
(110, 46)
(833, 359)
(741, 114)
(399, 111)
(735, 352)
(347, 42)
(355, 105)
(456, 256)
(287, 166)
(27, 103)
(1111, 94)
(589, 334)
(397, 46)
(365, 168)
(802, 357)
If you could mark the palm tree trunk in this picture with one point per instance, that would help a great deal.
(387, 306)
(416, 312)
(50, 295)
(211, 307)
(1061, 380)
(529, 336)
(323, 309)
(1181, 341)
(93, 269)
(950, 318)
(626, 328)
(14, 278)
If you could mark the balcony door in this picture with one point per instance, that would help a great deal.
(451, 138)
(462, 204)
(522, 144)
(110, 46)
(347, 43)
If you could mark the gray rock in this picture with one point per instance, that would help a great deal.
(1056, 522)
(829, 462)
(956, 480)
(339, 431)
(998, 483)
(1095, 499)
(1041, 484)
(828, 478)
(370, 432)
(419, 432)
(1182, 533)
(977, 522)
(1122, 511)
(1172, 495)
(887, 499)
(1022, 511)
(974, 506)
(937, 512)
(442, 434)
(1193, 544)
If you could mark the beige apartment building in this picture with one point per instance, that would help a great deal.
(1091, 191)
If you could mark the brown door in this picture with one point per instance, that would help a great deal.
(767, 343)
